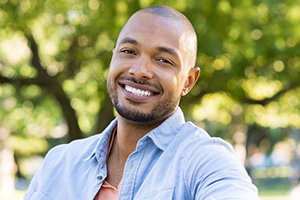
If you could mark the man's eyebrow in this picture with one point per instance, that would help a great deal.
(168, 50)
(161, 49)
(129, 40)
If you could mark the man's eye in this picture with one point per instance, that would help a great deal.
(164, 61)
(127, 51)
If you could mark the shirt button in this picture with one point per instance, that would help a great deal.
(99, 178)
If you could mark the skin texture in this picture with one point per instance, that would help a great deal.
(149, 72)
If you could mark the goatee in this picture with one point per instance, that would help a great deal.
(161, 110)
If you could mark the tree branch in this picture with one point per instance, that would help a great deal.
(45, 80)
(266, 101)
(4, 79)
(105, 114)
(243, 99)
(18, 82)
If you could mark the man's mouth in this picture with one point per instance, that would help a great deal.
(138, 92)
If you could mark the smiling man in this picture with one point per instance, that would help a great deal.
(148, 151)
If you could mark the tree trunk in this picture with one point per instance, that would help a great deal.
(68, 112)
(105, 115)
(55, 88)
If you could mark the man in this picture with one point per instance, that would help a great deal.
(149, 151)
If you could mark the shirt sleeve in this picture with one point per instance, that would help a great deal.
(32, 187)
(38, 183)
(214, 172)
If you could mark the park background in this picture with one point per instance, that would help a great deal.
(54, 59)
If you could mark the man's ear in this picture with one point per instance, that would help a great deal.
(191, 80)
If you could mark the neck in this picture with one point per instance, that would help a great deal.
(128, 134)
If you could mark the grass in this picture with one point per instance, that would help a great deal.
(274, 198)
(273, 189)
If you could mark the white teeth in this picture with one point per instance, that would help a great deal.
(137, 92)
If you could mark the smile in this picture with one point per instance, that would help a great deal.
(137, 92)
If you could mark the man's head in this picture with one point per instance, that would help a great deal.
(152, 65)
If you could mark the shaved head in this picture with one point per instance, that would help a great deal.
(153, 65)
(172, 14)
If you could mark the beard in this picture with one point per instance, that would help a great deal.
(161, 110)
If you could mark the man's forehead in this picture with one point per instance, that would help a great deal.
(154, 31)
(150, 17)
(150, 23)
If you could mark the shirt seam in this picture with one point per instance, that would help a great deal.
(185, 176)
(184, 173)
(138, 167)
(185, 170)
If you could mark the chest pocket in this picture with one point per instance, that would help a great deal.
(165, 194)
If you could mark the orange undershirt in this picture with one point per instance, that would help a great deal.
(107, 191)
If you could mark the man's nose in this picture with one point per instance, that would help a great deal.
(142, 68)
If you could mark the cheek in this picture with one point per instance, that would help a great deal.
(172, 85)
(114, 70)
(118, 65)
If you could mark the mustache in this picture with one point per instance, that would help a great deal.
(141, 82)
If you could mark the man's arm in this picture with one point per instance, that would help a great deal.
(218, 174)
(32, 187)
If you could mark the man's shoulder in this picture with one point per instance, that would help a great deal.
(207, 154)
(212, 160)
(76, 149)
(85, 142)
(63, 165)
(196, 139)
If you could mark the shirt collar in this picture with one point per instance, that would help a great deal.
(101, 149)
(165, 132)
(161, 135)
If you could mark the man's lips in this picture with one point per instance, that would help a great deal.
(137, 89)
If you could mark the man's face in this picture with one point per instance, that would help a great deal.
(148, 70)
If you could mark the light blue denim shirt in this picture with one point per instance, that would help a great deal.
(177, 160)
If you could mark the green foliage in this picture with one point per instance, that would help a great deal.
(250, 51)
(28, 146)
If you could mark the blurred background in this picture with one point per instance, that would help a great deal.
(54, 59)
